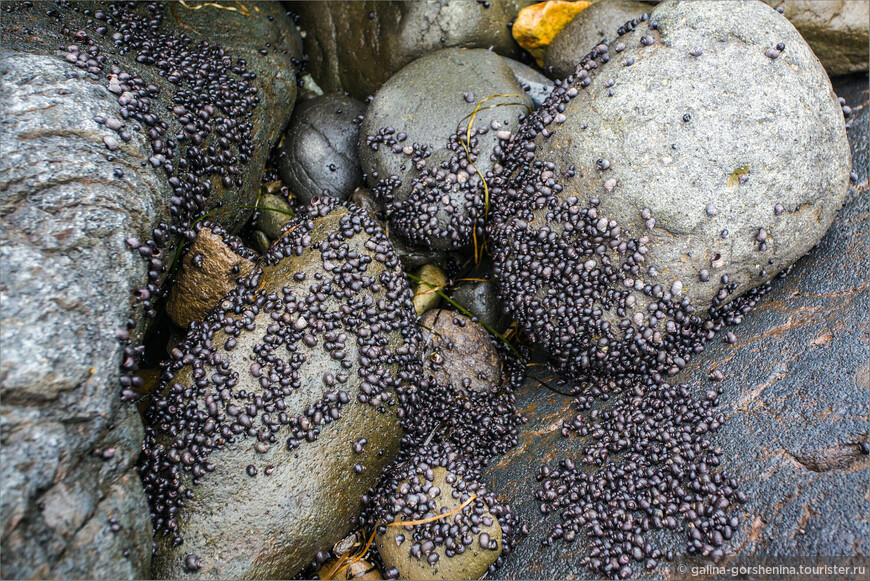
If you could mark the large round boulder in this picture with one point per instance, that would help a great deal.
(665, 185)
(282, 408)
(792, 391)
(413, 143)
(319, 154)
(356, 46)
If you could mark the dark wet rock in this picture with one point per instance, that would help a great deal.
(664, 213)
(68, 201)
(357, 46)
(319, 154)
(460, 353)
(535, 84)
(594, 24)
(411, 131)
(837, 30)
(428, 282)
(480, 298)
(208, 272)
(260, 241)
(471, 564)
(332, 311)
(274, 213)
(793, 391)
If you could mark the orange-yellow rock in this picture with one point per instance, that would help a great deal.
(537, 25)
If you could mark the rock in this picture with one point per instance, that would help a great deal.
(460, 353)
(427, 103)
(588, 29)
(411, 256)
(480, 298)
(431, 279)
(274, 214)
(331, 305)
(358, 570)
(356, 46)
(838, 31)
(67, 204)
(208, 272)
(538, 24)
(410, 550)
(261, 241)
(539, 86)
(793, 426)
(319, 154)
(682, 206)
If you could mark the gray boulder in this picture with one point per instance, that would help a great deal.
(280, 410)
(794, 397)
(837, 30)
(71, 191)
(674, 187)
(411, 143)
(356, 46)
(320, 153)
(598, 22)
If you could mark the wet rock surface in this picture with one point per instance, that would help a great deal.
(297, 372)
(793, 392)
(357, 46)
(320, 154)
(442, 491)
(838, 31)
(694, 221)
(479, 296)
(208, 272)
(460, 353)
(425, 180)
(77, 180)
(598, 22)
(275, 212)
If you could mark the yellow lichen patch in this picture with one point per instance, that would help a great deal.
(537, 25)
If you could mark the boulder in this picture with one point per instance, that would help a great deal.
(477, 292)
(319, 154)
(671, 189)
(76, 180)
(208, 272)
(356, 46)
(837, 30)
(412, 152)
(793, 392)
(300, 371)
(471, 564)
(275, 212)
(429, 280)
(459, 353)
(599, 22)
(464, 543)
